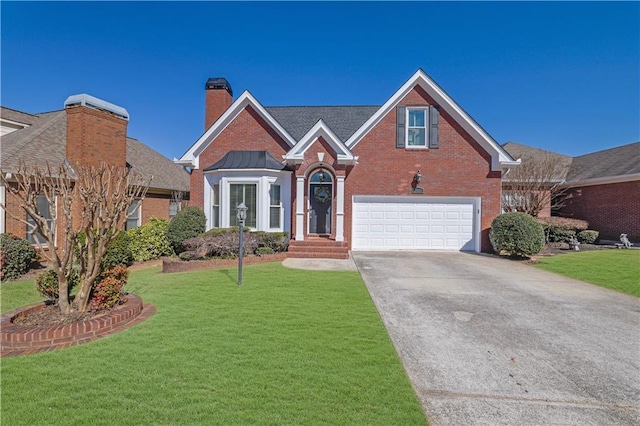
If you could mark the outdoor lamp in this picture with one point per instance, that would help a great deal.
(242, 216)
(418, 177)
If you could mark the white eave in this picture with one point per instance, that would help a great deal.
(499, 157)
(191, 157)
(320, 130)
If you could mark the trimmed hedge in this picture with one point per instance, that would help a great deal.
(16, 257)
(516, 234)
(588, 236)
(188, 223)
(224, 242)
(562, 229)
(118, 253)
(150, 240)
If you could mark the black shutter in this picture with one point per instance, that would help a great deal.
(400, 126)
(434, 125)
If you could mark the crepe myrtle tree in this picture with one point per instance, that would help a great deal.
(534, 184)
(88, 200)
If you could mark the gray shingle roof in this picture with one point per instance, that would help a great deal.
(527, 153)
(45, 141)
(17, 116)
(343, 120)
(247, 160)
(619, 161)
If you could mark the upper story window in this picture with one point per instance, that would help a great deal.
(417, 127)
(134, 215)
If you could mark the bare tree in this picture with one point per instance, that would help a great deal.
(89, 199)
(537, 182)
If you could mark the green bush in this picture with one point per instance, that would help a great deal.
(261, 251)
(47, 284)
(220, 231)
(588, 236)
(188, 223)
(562, 229)
(517, 234)
(16, 256)
(150, 240)
(276, 241)
(224, 246)
(118, 253)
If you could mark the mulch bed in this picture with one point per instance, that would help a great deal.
(50, 314)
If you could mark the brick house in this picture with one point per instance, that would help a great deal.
(414, 173)
(88, 130)
(603, 188)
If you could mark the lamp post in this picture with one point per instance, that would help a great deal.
(242, 216)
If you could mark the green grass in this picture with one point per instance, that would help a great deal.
(18, 293)
(615, 269)
(288, 347)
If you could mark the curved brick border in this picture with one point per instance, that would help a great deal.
(171, 265)
(23, 340)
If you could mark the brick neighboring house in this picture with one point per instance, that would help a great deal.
(88, 130)
(415, 173)
(603, 188)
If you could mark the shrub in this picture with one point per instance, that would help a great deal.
(276, 241)
(47, 284)
(517, 234)
(108, 292)
(118, 253)
(261, 251)
(16, 257)
(221, 231)
(223, 246)
(188, 223)
(562, 229)
(150, 240)
(588, 236)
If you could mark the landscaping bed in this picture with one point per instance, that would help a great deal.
(170, 265)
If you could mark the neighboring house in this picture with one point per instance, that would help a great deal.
(415, 173)
(88, 130)
(602, 188)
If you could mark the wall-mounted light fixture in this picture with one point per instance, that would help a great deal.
(417, 178)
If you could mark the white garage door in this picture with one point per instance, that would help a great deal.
(416, 223)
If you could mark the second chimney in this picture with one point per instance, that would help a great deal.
(218, 98)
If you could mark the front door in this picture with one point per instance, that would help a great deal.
(320, 203)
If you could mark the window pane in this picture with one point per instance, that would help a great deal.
(274, 217)
(216, 217)
(243, 193)
(416, 137)
(274, 195)
(133, 215)
(173, 209)
(43, 208)
(416, 118)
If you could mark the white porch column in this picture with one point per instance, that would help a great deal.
(300, 208)
(340, 208)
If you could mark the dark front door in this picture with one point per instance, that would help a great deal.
(320, 208)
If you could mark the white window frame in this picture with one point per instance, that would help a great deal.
(425, 111)
(139, 210)
(232, 210)
(29, 235)
(215, 206)
(274, 206)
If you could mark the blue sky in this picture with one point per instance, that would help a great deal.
(558, 76)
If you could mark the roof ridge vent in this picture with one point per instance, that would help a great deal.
(97, 104)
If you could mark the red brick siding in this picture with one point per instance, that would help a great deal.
(460, 167)
(611, 209)
(155, 205)
(95, 136)
(216, 102)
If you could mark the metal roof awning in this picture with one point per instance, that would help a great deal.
(239, 160)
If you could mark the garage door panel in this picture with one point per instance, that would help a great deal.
(389, 225)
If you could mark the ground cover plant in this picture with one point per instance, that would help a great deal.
(615, 269)
(288, 347)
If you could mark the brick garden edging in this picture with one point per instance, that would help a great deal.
(172, 265)
(23, 340)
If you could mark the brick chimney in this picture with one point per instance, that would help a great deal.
(218, 98)
(96, 131)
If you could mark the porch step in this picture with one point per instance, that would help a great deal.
(318, 248)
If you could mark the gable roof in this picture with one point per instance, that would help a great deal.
(343, 120)
(499, 157)
(45, 141)
(526, 153)
(320, 130)
(234, 160)
(348, 124)
(612, 165)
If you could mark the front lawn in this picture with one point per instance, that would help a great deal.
(615, 269)
(288, 347)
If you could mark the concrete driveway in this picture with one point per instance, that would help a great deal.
(488, 341)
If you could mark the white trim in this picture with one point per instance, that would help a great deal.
(602, 181)
(476, 201)
(320, 130)
(420, 78)
(192, 156)
(300, 208)
(309, 183)
(339, 208)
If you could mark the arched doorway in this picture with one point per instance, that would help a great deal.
(320, 202)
